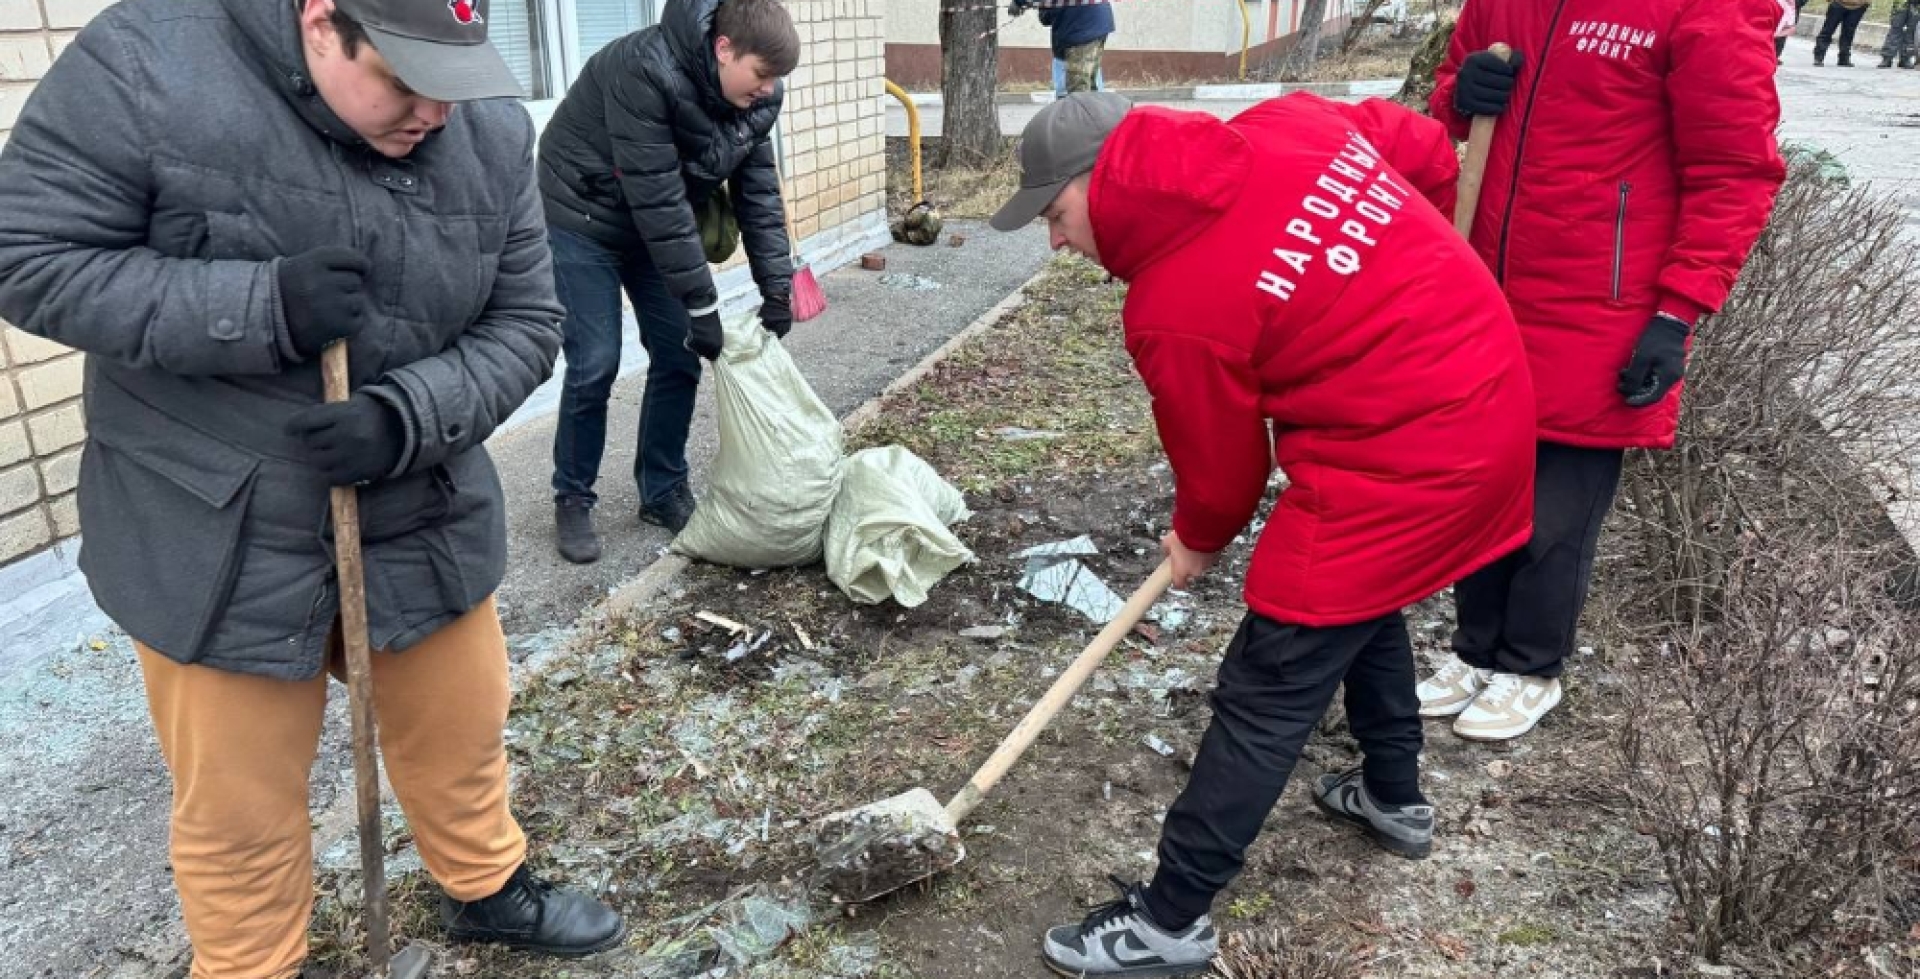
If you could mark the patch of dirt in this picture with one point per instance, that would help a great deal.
(673, 762)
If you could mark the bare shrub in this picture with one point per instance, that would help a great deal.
(1763, 592)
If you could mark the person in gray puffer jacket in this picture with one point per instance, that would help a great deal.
(201, 196)
(666, 131)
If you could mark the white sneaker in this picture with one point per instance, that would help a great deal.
(1509, 707)
(1449, 691)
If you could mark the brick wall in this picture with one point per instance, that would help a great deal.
(834, 121)
(41, 427)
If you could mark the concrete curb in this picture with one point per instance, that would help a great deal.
(1249, 92)
(336, 824)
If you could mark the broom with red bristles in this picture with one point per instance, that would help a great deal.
(808, 301)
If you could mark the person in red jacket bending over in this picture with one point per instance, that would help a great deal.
(1294, 295)
(1632, 167)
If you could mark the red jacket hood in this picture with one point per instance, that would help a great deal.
(1147, 200)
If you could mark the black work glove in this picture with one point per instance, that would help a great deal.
(705, 336)
(323, 297)
(776, 314)
(352, 442)
(1659, 362)
(1485, 84)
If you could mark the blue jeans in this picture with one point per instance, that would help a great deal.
(589, 277)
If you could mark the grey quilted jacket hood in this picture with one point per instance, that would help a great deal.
(170, 159)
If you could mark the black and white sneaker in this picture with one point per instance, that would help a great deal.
(1122, 939)
(1405, 830)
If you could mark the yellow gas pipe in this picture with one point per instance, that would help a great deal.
(913, 134)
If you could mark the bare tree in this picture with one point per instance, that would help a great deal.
(1361, 21)
(969, 76)
(1419, 84)
(1313, 23)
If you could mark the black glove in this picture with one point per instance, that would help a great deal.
(776, 314)
(1659, 362)
(323, 297)
(705, 337)
(352, 442)
(1485, 84)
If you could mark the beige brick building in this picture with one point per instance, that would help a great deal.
(833, 144)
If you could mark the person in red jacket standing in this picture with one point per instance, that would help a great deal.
(1296, 296)
(1632, 167)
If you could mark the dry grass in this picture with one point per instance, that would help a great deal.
(959, 192)
(1049, 389)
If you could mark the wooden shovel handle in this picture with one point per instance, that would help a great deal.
(1474, 169)
(1059, 694)
(353, 635)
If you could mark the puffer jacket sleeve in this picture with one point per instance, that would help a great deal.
(1415, 146)
(640, 127)
(75, 263)
(452, 401)
(1206, 407)
(762, 217)
(1446, 78)
(1725, 110)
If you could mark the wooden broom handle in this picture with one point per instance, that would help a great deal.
(353, 634)
(1059, 694)
(1474, 169)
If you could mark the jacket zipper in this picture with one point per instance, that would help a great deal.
(1620, 237)
(1520, 147)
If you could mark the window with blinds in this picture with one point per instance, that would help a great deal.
(600, 22)
(515, 31)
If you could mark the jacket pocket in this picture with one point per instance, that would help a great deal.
(1620, 238)
(412, 529)
(164, 510)
(391, 509)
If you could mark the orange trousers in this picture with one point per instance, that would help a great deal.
(241, 750)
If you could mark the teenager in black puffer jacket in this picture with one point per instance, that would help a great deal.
(665, 129)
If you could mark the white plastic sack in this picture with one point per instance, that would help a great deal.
(887, 536)
(778, 469)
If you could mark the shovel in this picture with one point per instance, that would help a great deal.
(877, 849)
(412, 961)
(1473, 169)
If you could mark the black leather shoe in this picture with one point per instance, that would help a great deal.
(573, 531)
(671, 511)
(536, 916)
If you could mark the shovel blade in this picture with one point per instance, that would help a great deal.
(409, 963)
(876, 849)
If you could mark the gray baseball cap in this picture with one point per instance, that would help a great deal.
(439, 48)
(1061, 143)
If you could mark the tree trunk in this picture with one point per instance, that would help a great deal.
(969, 74)
(1432, 54)
(1313, 23)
